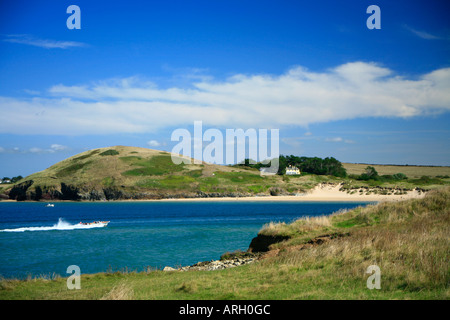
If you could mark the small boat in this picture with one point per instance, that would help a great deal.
(50, 205)
(99, 223)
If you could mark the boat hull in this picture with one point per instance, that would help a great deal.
(99, 223)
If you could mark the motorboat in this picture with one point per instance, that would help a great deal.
(99, 223)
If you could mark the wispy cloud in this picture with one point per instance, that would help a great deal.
(153, 143)
(52, 149)
(32, 92)
(422, 34)
(298, 97)
(339, 139)
(43, 43)
(57, 147)
(335, 139)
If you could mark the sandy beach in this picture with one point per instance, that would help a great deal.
(322, 192)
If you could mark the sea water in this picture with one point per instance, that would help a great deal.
(36, 240)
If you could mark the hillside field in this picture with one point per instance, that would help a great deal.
(410, 171)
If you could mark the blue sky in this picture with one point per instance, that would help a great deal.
(137, 70)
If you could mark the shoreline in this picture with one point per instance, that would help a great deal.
(300, 198)
(320, 193)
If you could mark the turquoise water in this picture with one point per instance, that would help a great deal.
(36, 240)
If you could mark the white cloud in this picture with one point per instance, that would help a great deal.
(339, 139)
(153, 143)
(57, 147)
(297, 98)
(43, 43)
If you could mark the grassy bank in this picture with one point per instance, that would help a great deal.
(323, 258)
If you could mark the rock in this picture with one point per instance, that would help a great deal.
(167, 268)
(19, 192)
(69, 192)
(261, 243)
(219, 264)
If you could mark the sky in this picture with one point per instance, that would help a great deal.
(138, 70)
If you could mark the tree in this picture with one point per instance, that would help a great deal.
(369, 173)
(15, 179)
(400, 176)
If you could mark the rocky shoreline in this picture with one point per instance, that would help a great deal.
(230, 262)
(258, 249)
(27, 191)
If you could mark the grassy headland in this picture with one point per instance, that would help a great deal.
(319, 258)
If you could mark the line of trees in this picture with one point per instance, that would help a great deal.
(11, 180)
(328, 166)
(315, 165)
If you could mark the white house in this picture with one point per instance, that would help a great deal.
(291, 170)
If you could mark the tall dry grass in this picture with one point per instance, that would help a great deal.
(408, 240)
(122, 291)
(436, 203)
(299, 226)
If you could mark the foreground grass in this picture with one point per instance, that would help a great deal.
(408, 240)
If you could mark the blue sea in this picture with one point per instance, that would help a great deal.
(36, 240)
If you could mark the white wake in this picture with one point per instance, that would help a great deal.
(61, 225)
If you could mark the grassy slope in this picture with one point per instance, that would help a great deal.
(408, 240)
(108, 167)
